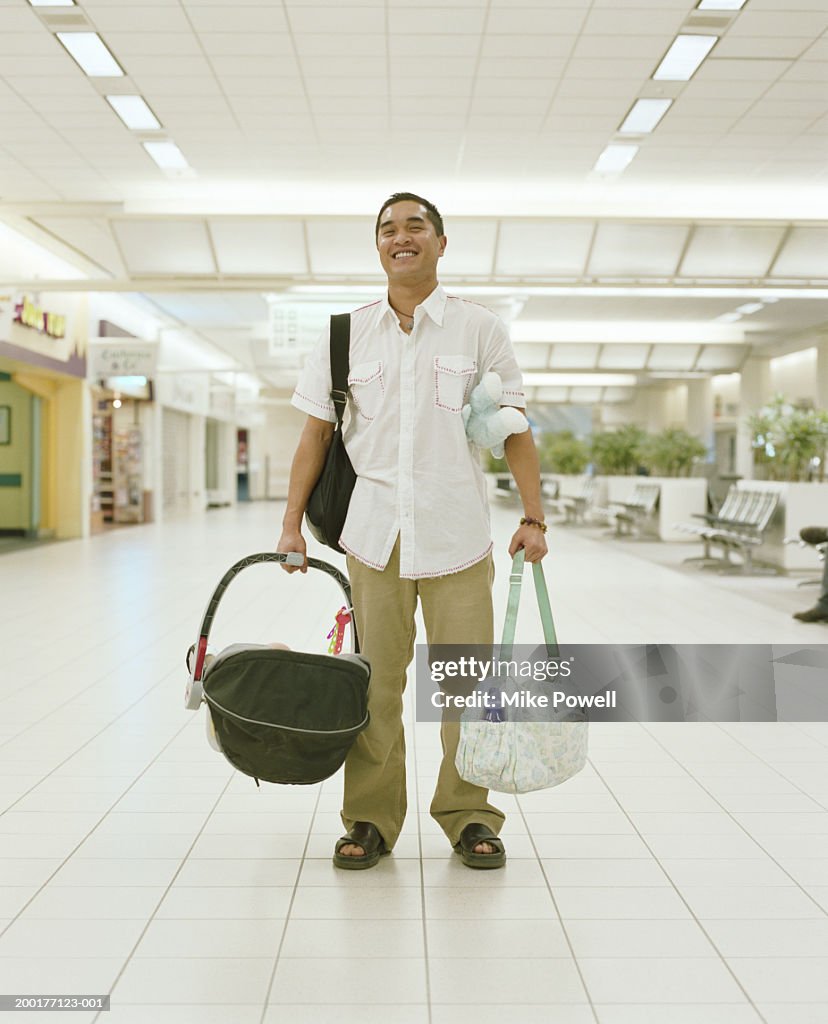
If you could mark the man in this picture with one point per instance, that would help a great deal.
(816, 535)
(418, 521)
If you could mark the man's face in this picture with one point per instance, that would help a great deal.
(408, 243)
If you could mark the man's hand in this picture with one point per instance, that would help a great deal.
(532, 540)
(292, 540)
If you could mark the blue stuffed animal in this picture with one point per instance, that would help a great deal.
(487, 425)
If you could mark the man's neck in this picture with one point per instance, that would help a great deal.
(406, 299)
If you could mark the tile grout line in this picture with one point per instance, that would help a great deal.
(269, 989)
(164, 895)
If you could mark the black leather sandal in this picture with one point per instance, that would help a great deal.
(363, 834)
(470, 837)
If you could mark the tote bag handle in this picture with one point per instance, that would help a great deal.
(515, 583)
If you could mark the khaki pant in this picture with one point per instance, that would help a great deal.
(457, 609)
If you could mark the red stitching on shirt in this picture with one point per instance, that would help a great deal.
(359, 558)
(328, 408)
(447, 572)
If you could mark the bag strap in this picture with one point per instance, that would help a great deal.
(340, 362)
(542, 594)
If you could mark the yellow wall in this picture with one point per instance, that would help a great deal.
(15, 502)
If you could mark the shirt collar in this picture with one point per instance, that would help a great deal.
(434, 306)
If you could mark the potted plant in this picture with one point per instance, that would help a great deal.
(789, 443)
(617, 452)
(672, 452)
(563, 453)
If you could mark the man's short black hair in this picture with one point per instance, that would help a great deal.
(398, 197)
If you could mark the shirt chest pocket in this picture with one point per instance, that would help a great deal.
(453, 379)
(367, 388)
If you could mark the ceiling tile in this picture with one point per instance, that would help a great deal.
(581, 356)
(341, 247)
(470, 249)
(635, 22)
(785, 22)
(343, 20)
(237, 44)
(531, 356)
(153, 44)
(751, 47)
(672, 357)
(167, 66)
(721, 357)
(533, 248)
(742, 251)
(259, 246)
(420, 20)
(165, 246)
(90, 236)
(517, 67)
(650, 48)
(400, 47)
(321, 44)
(623, 357)
(532, 21)
(278, 66)
(621, 68)
(726, 70)
(537, 47)
(238, 18)
(108, 18)
(623, 250)
(805, 254)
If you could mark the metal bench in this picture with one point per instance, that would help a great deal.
(627, 516)
(575, 506)
(737, 528)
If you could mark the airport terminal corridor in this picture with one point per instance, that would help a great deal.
(681, 877)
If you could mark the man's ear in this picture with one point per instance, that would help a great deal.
(443, 243)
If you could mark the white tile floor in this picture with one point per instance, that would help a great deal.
(681, 878)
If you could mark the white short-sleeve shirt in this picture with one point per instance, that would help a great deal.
(417, 473)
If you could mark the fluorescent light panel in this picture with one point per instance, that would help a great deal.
(167, 155)
(52, 3)
(91, 53)
(601, 380)
(684, 57)
(615, 158)
(134, 112)
(750, 307)
(644, 116)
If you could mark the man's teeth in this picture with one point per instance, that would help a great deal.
(400, 254)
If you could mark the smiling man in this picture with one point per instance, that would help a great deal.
(418, 522)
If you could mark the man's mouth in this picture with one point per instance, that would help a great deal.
(404, 254)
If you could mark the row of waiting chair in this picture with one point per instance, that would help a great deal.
(738, 527)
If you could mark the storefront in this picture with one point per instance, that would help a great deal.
(124, 420)
(44, 416)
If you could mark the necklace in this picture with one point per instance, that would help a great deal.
(408, 316)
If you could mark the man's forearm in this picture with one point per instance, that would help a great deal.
(304, 472)
(522, 459)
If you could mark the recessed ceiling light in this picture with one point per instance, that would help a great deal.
(615, 158)
(750, 307)
(644, 116)
(134, 112)
(90, 52)
(721, 5)
(729, 318)
(167, 155)
(683, 58)
(52, 3)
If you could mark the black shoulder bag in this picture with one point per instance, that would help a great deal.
(329, 500)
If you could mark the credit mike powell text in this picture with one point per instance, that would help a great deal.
(623, 683)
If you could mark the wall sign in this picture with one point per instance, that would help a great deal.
(120, 358)
(30, 315)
